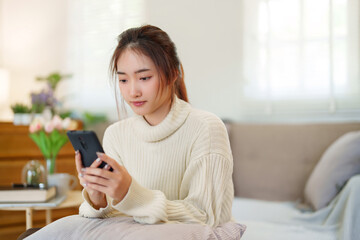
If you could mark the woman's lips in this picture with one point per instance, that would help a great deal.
(138, 104)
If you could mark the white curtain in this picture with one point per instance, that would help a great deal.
(300, 57)
(93, 29)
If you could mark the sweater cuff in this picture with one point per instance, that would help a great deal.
(142, 203)
(87, 210)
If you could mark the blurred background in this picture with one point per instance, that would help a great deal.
(244, 60)
(247, 61)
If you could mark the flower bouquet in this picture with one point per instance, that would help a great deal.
(50, 137)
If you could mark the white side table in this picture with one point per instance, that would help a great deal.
(73, 199)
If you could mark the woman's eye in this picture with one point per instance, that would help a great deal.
(145, 78)
(122, 81)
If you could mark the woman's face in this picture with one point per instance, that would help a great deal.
(139, 85)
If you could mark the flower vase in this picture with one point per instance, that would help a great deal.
(50, 165)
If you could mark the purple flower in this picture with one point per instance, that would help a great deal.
(44, 98)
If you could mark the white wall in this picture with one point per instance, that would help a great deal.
(206, 32)
(33, 43)
(207, 35)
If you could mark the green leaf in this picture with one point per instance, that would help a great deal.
(53, 79)
(45, 144)
(54, 135)
(38, 139)
(20, 108)
(59, 144)
(35, 138)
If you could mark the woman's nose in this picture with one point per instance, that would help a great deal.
(135, 90)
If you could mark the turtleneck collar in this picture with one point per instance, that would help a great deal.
(176, 117)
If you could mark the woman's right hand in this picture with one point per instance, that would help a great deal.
(97, 198)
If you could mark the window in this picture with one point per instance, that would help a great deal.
(300, 56)
(93, 30)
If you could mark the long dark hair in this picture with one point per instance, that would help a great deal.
(157, 45)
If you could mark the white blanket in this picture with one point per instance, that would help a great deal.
(284, 221)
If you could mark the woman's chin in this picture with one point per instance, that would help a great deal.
(139, 111)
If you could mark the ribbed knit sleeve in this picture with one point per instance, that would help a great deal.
(208, 190)
(87, 210)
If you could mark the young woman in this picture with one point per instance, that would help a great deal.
(171, 162)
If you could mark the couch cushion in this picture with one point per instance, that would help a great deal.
(337, 165)
(274, 161)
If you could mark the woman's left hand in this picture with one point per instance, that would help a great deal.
(115, 184)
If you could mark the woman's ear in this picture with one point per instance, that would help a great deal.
(175, 80)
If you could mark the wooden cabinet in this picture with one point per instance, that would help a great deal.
(16, 149)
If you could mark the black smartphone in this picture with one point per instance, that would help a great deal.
(88, 144)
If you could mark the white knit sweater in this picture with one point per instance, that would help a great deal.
(181, 168)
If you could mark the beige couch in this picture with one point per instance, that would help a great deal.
(274, 161)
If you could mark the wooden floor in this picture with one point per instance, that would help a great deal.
(16, 149)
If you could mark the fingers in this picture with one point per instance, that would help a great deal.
(96, 163)
(92, 174)
(99, 172)
(111, 162)
(92, 183)
(114, 184)
(78, 162)
(80, 167)
(96, 187)
(90, 179)
(81, 179)
(106, 167)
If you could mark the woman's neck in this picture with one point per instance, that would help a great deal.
(159, 114)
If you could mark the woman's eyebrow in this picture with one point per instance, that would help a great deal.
(136, 72)
(142, 70)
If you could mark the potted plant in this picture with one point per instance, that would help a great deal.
(21, 114)
(45, 102)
